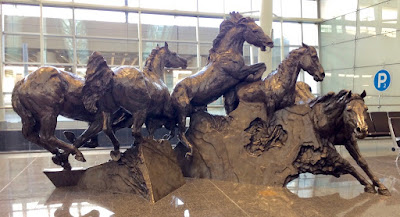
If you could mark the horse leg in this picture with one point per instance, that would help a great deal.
(139, 117)
(30, 132)
(231, 101)
(253, 72)
(48, 124)
(342, 166)
(107, 129)
(182, 134)
(152, 124)
(352, 147)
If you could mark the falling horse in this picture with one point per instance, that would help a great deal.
(277, 90)
(39, 98)
(142, 93)
(225, 69)
(339, 120)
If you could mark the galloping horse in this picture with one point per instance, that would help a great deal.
(340, 119)
(143, 94)
(277, 90)
(43, 95)
(225, 69)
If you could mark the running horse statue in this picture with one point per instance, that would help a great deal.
(278, 89)
(224, 70)
(339, 119)
(40, 98)
(141, 93)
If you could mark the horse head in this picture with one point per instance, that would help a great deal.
(309, 62)
(252, 32)
(355, 113)
(172, 60)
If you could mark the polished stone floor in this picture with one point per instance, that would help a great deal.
(25, 192)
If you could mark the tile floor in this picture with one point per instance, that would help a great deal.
(25, 192)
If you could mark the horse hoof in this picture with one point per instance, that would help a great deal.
(370, 189)
(67, 166)
(80, 157)
(56, 160)
(188, 155)
(115, 155)
(384, 192)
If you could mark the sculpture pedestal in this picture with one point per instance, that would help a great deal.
(274, 153)
(63, 178)
(149, 169)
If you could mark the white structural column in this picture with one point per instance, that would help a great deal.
(266, 25)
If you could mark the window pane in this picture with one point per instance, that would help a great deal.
(216, 6)
(238, 6)
(291, 34)
(246, 53)
(133, 22)
(133, 3)
(100, 23)
(182, 5)
(102, 2)
(291, 8)
(276, 8)
(165, 27)
(116, 52)
(204, 52)
(276, 58)
(97, 15)
(22, 48)
(276, 33)
(310, 34)
(57, 20)
(309, 8)
(208, 29)
(58, 50)
(21, 18)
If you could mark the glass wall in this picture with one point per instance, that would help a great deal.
(65, 34)
(358, 40)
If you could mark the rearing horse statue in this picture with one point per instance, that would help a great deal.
(224, 70)
(277, 90)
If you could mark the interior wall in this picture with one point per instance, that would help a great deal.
(358, 39)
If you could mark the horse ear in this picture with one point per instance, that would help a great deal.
(363, 94)
(304, 45)
(349, 94)
(166, 45)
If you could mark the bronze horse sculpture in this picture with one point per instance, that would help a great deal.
(141, 93)
(339, 119)
(277, 90)
(224, 70)
(39, 98)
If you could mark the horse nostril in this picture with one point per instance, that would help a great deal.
(323, 74)
(358, 129)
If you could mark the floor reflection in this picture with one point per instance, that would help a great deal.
(66, 209)
(26, 192)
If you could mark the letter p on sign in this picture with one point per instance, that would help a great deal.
(382, 80)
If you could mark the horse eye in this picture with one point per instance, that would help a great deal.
(348, 109)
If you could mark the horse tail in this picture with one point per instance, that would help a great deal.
(98, 81)
(27, 119)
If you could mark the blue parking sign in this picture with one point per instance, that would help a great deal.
(382, 80)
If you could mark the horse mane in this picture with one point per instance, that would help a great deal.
(149, 61)
(98, 81)
(225, 26)
(332, 102)
(289, 60)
